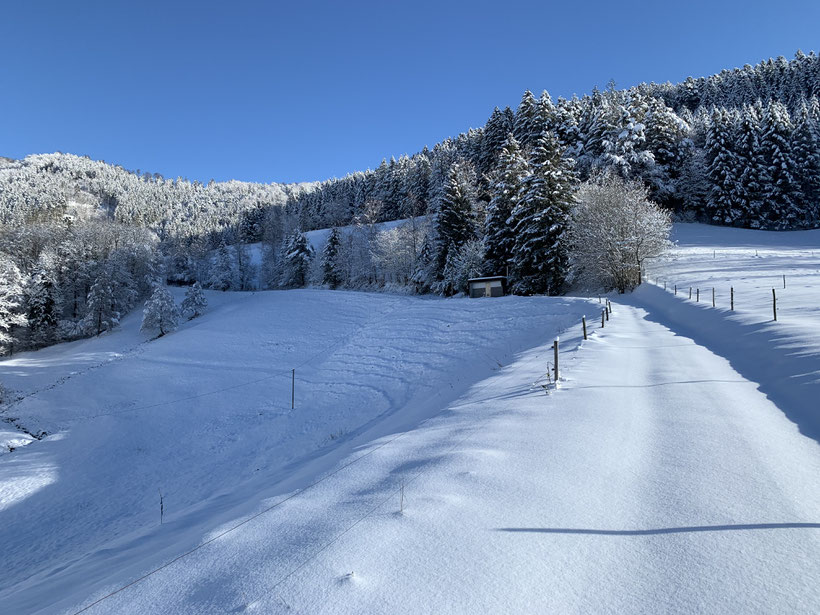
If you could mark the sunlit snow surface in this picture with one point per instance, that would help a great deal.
(675, 470)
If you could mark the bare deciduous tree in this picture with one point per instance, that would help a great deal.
(615, 228)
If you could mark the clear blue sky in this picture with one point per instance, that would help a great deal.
(298, 91)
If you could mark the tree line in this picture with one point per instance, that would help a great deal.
(82, 241)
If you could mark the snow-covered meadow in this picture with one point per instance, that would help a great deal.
(203, 416)
(675, 469)
(783, 357)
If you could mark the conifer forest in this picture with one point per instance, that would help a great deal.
(83, 242)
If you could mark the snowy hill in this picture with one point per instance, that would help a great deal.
(203, 416)
(675, 469)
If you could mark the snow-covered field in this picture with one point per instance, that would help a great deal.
(204, 417)
(783, 357)
(675, 470)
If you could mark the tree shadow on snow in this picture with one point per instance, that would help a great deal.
(786, 373)
(662, 530)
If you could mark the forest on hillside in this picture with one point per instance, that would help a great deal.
(83, 241)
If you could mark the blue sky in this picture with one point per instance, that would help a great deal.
(299, 91)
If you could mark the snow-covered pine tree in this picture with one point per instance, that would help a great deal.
(223, 274)
(722, 168)
(754, 173)
(331, 269)
(455, 222)
(424, 275)
(782, 194)
(11, 304)
(195, 302)
(101, 314)
(297, 261)
(525, 125)
(42, 302)
(462, 264)
(499, 237)
(667, 138)
(541, 219)
(492, 140)
(806, 148)
(160, 313)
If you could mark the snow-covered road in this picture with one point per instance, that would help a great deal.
(657, 479)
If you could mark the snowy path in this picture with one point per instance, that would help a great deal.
(656, 480)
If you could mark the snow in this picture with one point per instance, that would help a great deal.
(203, 416)
(675, 470)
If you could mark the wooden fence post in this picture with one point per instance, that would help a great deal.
(603, 312)
(713, 296)
(293, 389)
(584, 323)
(697, 296)
(774, 304)
(690, 293)
(555, 346)
(784, 280)
(732, 301)
(676, 290)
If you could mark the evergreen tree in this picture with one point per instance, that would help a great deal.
(102, 314)
(161, 313)
(525, 126)
(498, 231)
(43, 308)
(195, 302)
(462, 264)
(424, 275)
(11, 303)
(223, 274)
(782, 194)
(722, 168)
(806, 148)
(331, 270)
(298, 258)
(455, 223)
(541, 219)
(753, 169)
(495, 134)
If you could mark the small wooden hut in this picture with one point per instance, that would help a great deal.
(491, 286)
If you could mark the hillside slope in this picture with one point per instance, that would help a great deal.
(203, 416)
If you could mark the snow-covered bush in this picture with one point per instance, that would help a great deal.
(615, 228)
